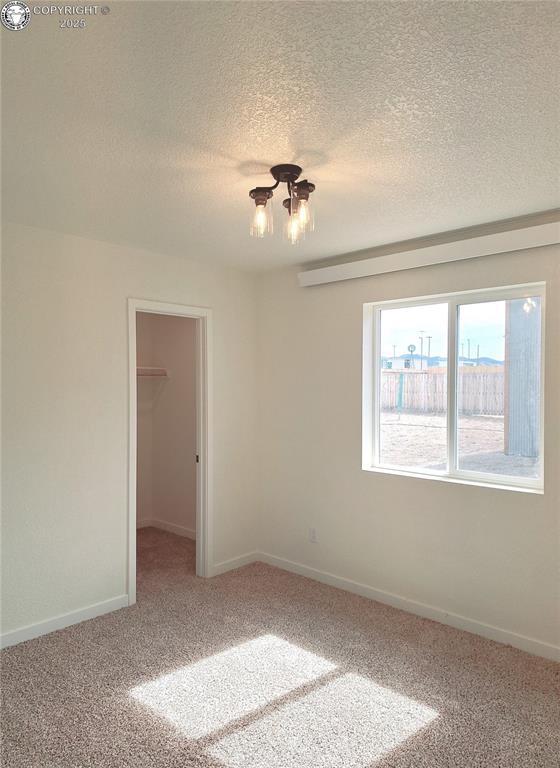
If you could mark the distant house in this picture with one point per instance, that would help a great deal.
(417, 362)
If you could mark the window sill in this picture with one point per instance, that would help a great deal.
(536, 489)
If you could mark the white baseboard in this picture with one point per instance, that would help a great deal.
(529, 644)
(178, 530)
(32, 631)
(235, 562)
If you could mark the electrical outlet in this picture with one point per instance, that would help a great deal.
(313, 536)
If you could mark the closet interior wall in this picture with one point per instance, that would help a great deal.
(166, 477)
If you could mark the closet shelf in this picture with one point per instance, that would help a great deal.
(147, 371)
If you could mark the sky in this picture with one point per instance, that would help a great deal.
(483, 324)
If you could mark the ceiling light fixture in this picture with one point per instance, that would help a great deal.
(300, 214)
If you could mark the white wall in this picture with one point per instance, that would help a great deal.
(489, 555)
(166, 479)
(65, 399)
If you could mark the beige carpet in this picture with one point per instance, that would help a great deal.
(259, 668)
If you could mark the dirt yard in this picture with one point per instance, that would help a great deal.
(418, 440)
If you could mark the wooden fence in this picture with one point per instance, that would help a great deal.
(480, 390)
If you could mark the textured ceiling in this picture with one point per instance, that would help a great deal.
(150, 126)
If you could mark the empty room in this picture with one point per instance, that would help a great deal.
(280, 372)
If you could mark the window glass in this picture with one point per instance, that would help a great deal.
(498, 387)
(413, 387)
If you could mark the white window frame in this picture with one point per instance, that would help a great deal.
(371, 377)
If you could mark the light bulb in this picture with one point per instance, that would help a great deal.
(261, 222)
(294, 229)
(304, 215)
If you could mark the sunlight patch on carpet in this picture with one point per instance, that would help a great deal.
(205, 696)
(346, 723)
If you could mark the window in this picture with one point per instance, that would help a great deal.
(453, 387)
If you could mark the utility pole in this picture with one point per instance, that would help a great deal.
(429, 346)
(469, 349)
(478, 354)
(421, 349)
(394, 351)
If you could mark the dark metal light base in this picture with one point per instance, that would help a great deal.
(286, 172)
(260, 195)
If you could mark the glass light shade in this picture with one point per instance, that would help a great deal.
(262, 221)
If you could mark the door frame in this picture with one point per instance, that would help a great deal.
(204, 506)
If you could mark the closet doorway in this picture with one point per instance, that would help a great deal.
(170, 414)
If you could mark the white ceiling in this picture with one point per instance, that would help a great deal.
(150, 126)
